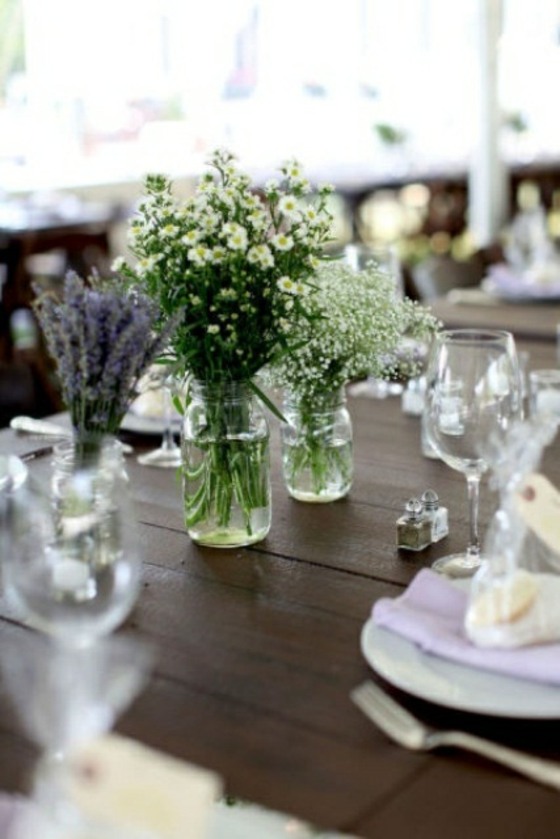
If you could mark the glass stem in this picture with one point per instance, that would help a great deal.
(473, 490)
(168, 441)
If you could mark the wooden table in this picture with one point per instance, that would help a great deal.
(537, 321)
(258, 649)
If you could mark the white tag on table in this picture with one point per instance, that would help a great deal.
(132, 789)
(538, 503)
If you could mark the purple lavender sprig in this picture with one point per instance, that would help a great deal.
(102, 340)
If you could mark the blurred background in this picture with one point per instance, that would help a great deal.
(408, 107)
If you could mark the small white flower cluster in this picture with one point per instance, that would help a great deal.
(235, 261)
(353, 324)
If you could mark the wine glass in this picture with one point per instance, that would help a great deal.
(66, 697)
(473, 391)
(383, 258)
(168, 454)
(72, 561)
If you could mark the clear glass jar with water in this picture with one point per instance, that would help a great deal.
(317, 456)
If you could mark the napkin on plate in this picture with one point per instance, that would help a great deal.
(431, 614)
(541, 281)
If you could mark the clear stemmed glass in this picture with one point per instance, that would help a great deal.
(473, 391)
(72, 561)
(71, 568)
(168, 454)
(65, 697)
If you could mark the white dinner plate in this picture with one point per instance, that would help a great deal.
(250, 821)
(522, 293)
(406, 666)
(147, 425)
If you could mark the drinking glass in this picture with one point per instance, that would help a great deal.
(65, 697)
(544, 392)
(168, 454)
(385, 259)
(72, 560)
(473, 391)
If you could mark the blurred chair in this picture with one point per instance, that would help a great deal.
(17, 390)
(436, 275)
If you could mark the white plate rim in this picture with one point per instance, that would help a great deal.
(147, 425)
(523, 294)
(432, 678)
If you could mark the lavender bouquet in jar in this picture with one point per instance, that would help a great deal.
(102, 339)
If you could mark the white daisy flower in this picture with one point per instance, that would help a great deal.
(257, 219)
(210, 222)
(286, 284)
(200, 255)
(228, 229)
(191, 237)
(292, 168)
(289, 207)
(282, 242)
(146, 264)
(213, 329)
(238, 239)
(218, 254)
(253, 254)
(252, 201)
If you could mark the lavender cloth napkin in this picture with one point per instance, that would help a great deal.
(506, 280)
(431, 614)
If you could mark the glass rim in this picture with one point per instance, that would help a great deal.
(467, 335)
(545, 374)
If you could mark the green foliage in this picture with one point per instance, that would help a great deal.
(12, 46)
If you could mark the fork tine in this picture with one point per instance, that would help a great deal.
(391, 717)
(369, 695)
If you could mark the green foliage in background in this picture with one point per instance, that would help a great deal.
(12, 50)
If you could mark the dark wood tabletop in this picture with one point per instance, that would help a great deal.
(258, 649)
(533, 321)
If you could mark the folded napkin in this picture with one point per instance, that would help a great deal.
(541, 281)
(431, 614)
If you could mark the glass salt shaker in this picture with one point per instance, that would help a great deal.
(436, 514)
(412, 400)
(414, 529)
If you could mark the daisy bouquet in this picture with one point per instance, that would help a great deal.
(235, 264)
(233, 261)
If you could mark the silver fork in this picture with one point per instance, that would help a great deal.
(409, 732)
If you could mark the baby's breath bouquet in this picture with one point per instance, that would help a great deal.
(354, 325)
(102, 341)
(234, 263)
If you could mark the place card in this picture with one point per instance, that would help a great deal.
(538, 503)
(131, 790)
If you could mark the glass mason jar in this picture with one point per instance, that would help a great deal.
(317, 459)
(75, 562)
(103, 454)
(89, 485)
(226, 465)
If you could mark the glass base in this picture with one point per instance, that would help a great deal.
(163, 458)
(373, 388)
(457, 566)
(317, 498)
(227, 538)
